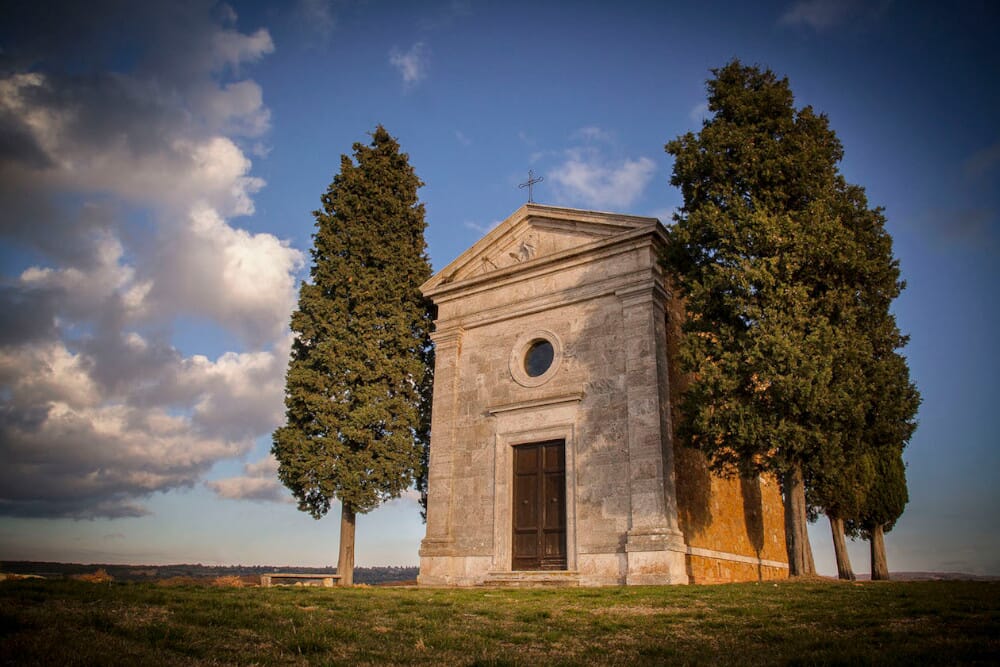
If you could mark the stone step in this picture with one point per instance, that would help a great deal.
(533, 579)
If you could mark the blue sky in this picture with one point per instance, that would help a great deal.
(159, 165)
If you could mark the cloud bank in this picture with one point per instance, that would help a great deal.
(118, 190)
(259, 482)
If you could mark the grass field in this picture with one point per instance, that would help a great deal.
(75, 623)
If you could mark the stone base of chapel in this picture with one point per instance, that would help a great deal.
(633, 568)
(453, 570)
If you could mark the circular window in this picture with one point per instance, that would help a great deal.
(535, 358)
(538, 358)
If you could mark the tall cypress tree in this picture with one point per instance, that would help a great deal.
(769, 271)
(891, 408)
(358, 388)
(884, 396)
(890, 424)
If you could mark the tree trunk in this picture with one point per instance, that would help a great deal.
(844, 570)
(345, 565)
(800, 558)
(880, 566)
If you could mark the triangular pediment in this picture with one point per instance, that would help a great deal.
(533, 233)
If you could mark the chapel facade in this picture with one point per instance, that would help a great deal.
(552, 456)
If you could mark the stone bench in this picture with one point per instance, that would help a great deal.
(267, 580)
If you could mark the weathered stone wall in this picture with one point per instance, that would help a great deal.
(590, 334)
(592, 367)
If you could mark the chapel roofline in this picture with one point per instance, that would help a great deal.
(600, 223)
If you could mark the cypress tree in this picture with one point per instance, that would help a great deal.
(769, 272)
(870, 474)
(891, 423)
(886, 500)
(358, 387)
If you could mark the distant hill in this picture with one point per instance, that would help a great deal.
(371, 576)
(362, 575)
(934, 576)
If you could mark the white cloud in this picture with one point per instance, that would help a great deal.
(482, 229)
(72, 448)
(46, 374)
(230, 47)
(86, 433)
(260, 482)
(462, 139)
(124, 186)
(237, 108)
(412, 64)
(821, 15)
(594, 134)
(137, 154)
(588, 177)
(106, 286)
(244, 281)
(237, 394)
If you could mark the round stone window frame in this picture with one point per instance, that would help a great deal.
(520, 351)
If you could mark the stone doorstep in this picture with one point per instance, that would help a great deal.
(533, 578)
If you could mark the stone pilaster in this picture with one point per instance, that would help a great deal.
(438, 545)
(654, 545)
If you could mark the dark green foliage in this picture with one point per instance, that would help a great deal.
(888, 498)
(871, 489)
(891, 423)
(787, 275)
(885, 499)
(886, 398)
(358, 386)
(766, 267)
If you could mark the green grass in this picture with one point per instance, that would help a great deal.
(814, 623)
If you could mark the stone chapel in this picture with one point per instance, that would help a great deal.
(552, 456)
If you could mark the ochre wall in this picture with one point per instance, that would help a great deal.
(703, 570)
(744, 517)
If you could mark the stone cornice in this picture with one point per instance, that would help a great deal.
(650, 291)
(649, 236)
(642, 279)
(549, 401)
(447, 336)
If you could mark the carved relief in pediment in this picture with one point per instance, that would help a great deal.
(524, 247)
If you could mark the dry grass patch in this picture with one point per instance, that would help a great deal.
(99, 576)
(231, 581)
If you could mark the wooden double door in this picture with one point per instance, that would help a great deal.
(539, 531)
